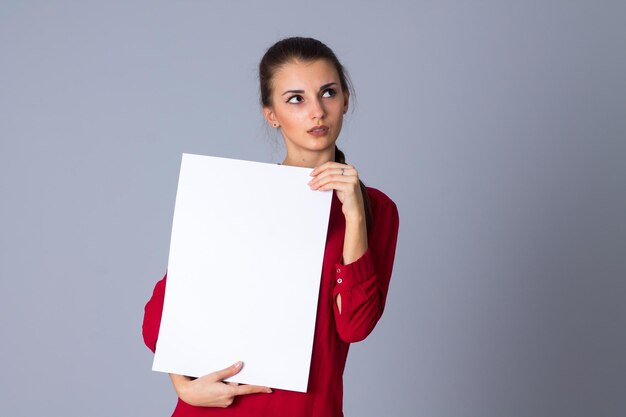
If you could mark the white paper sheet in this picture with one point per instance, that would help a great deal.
(244, 272)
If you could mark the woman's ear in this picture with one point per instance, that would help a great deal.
(269, 115)
(346, 102)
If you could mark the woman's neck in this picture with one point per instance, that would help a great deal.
(310, 160)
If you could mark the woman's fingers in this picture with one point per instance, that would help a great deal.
(333, 167)
(329, 165)
(227, 372)
(342, 172)
(334, 173)
(251, 389)
(211, 391)
(338, 184)
(238, 389)
(335, 182)
(324, 166)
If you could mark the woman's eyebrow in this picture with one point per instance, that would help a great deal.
(324, 87)
(293, 92)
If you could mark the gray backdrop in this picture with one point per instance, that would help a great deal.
(498, 127)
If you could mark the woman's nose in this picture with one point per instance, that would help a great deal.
(317, 109)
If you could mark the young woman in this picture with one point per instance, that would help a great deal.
(305, 94)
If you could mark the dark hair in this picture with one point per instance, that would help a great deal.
(294, 49)
(307, 50)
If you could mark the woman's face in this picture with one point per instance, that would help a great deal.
(308, 105)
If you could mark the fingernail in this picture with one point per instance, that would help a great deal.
(269, 391)
(238, 364)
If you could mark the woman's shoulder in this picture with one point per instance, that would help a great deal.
(378, 197)
(380, 202)
(385, 216)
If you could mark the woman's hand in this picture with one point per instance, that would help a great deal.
(211, 391)
(344, 179)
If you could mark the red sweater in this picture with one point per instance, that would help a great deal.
(363, 286)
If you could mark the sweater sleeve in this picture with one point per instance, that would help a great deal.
(152, 315)
(363, 284)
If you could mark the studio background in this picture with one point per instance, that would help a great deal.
(498, 128)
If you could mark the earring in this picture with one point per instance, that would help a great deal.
(275, 124)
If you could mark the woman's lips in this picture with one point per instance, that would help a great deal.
(318, 131)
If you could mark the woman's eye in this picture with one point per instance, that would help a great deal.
(329, 92)
(295, 99)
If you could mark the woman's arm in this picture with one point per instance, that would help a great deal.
(206, 391)
(152, 315)
(362, 279)
(354, 244)
(364, 283)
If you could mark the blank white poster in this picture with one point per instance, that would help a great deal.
(244, 271)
